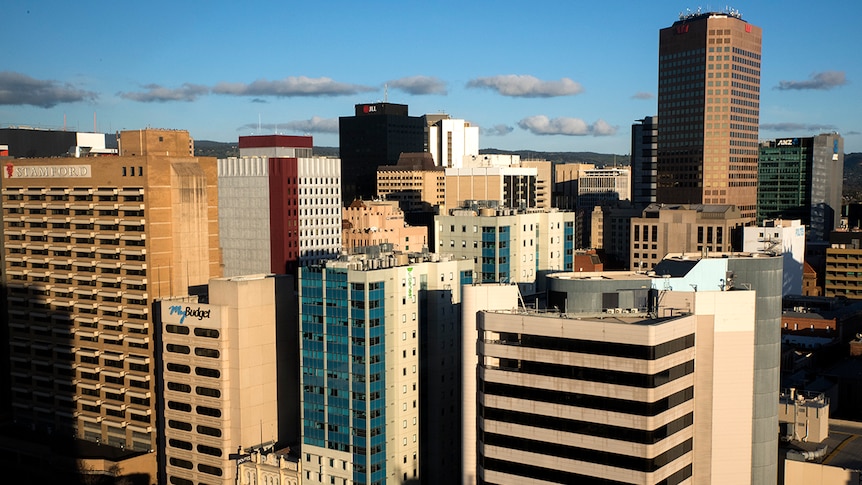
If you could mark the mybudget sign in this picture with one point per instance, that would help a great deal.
(193, 314)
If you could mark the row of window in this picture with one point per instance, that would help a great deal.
(199, 351)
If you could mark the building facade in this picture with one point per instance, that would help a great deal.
(802, 178)
(362, 392)
(506, 246)
(844, 265)
(26, 142)
(87, 247)
(415, 183)
(371, 223)
(709, 111)
(644, 148)
(782, 237)
(645, 397)
(512, 187)
(280, 207)
(610, 232)
(763, 273)
(375, 136)
(450, 140)
(664, 229)
(220, 379)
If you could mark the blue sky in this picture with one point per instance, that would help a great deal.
(553, 76)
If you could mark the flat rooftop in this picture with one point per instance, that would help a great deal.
(843, 446)
(640, 317)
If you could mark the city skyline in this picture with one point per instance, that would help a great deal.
(552, 77)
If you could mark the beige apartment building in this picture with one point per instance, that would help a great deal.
(88, 244)
(220, 379)
(415, 182)
(370, 223)
(658, 394)
(682, 228)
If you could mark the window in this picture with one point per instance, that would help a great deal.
(202, 352)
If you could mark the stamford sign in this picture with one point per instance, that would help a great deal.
(46, 171)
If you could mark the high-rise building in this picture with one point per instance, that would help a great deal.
(414, 182)
(507, 246)
(762, 273)
(802, 178)
(87, 247)
(450, 140)
(625, 384)
(220, 378)
(566, 177)
(371, 223)
(279, 206)
(512, 187)
(376, 135)
(610, 232)
(682, 228)
(569, 412)
(844, 265)
(709, 111)
(644, 146)
(380, 342)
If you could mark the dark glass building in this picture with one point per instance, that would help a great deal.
(644, 139)
(802, 178)
(375, 136)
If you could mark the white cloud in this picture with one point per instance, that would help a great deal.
(498, 130)
(315, 124)
(293, 86)
(419, 85)
(820, 80)
(18, 89)
(161, 94)
(525, 86)
(542, 125)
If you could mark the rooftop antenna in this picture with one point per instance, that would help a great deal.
(386, 93)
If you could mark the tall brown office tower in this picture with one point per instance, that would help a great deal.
(87, 245)
(709, 111)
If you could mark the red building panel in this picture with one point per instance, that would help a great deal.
(270, 141)
(284, 215)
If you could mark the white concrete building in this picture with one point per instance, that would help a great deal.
(278, 213)
(780, 237)
(599, 185)
(450, 141)
(476, 298)
(509, 246)
(624, 398)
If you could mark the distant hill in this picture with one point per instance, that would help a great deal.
(599, 159)
(217, 149)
